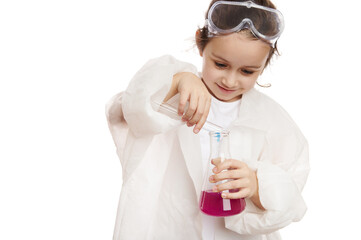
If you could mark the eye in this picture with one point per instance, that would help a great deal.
(247, 72)
(220, 65)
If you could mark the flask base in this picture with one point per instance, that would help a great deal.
(212, 203)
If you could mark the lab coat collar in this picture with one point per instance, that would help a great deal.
(252, 112)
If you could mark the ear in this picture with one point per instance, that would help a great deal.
(198, 42)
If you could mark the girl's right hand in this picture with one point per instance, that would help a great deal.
(191, 89)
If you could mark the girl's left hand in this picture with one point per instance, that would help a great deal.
(242, 180)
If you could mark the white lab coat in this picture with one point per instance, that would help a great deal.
(162, 166)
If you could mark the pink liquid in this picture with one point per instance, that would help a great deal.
(211, 203)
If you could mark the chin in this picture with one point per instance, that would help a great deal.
(228, 99)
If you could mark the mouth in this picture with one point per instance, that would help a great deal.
(224, 90)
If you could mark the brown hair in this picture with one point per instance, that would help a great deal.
(202, 38)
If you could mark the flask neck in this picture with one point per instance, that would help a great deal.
(219, 144)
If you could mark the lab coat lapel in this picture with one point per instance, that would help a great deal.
(190, 147)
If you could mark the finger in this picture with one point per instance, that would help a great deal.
(219, 160)
(183, 99)
(227, 164)
(193, 102)
(243, 193)
(203, 119)
(229, 185)
(199, 112)
(216, 161)
(230, 174)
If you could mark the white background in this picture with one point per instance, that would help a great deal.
(60, 62)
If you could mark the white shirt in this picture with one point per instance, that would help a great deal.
(221, 114)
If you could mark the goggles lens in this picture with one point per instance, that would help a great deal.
(226, 17)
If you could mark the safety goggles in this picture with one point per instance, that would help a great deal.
(228, 17)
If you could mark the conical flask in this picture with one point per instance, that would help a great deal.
(212, 203)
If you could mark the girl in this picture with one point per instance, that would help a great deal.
(163, 161)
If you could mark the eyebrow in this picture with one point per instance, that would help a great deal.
(254, 67)
(214, 55)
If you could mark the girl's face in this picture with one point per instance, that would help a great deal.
(232, 64)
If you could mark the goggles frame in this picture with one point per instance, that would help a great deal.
(246, 23)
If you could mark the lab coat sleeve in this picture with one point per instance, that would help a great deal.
(151, 83)
(282, 172)
(117, 125)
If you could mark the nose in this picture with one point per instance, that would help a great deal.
(230, 80)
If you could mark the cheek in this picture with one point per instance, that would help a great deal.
(209, 74)
(211, 77)
(246, 83)
(250, 82)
